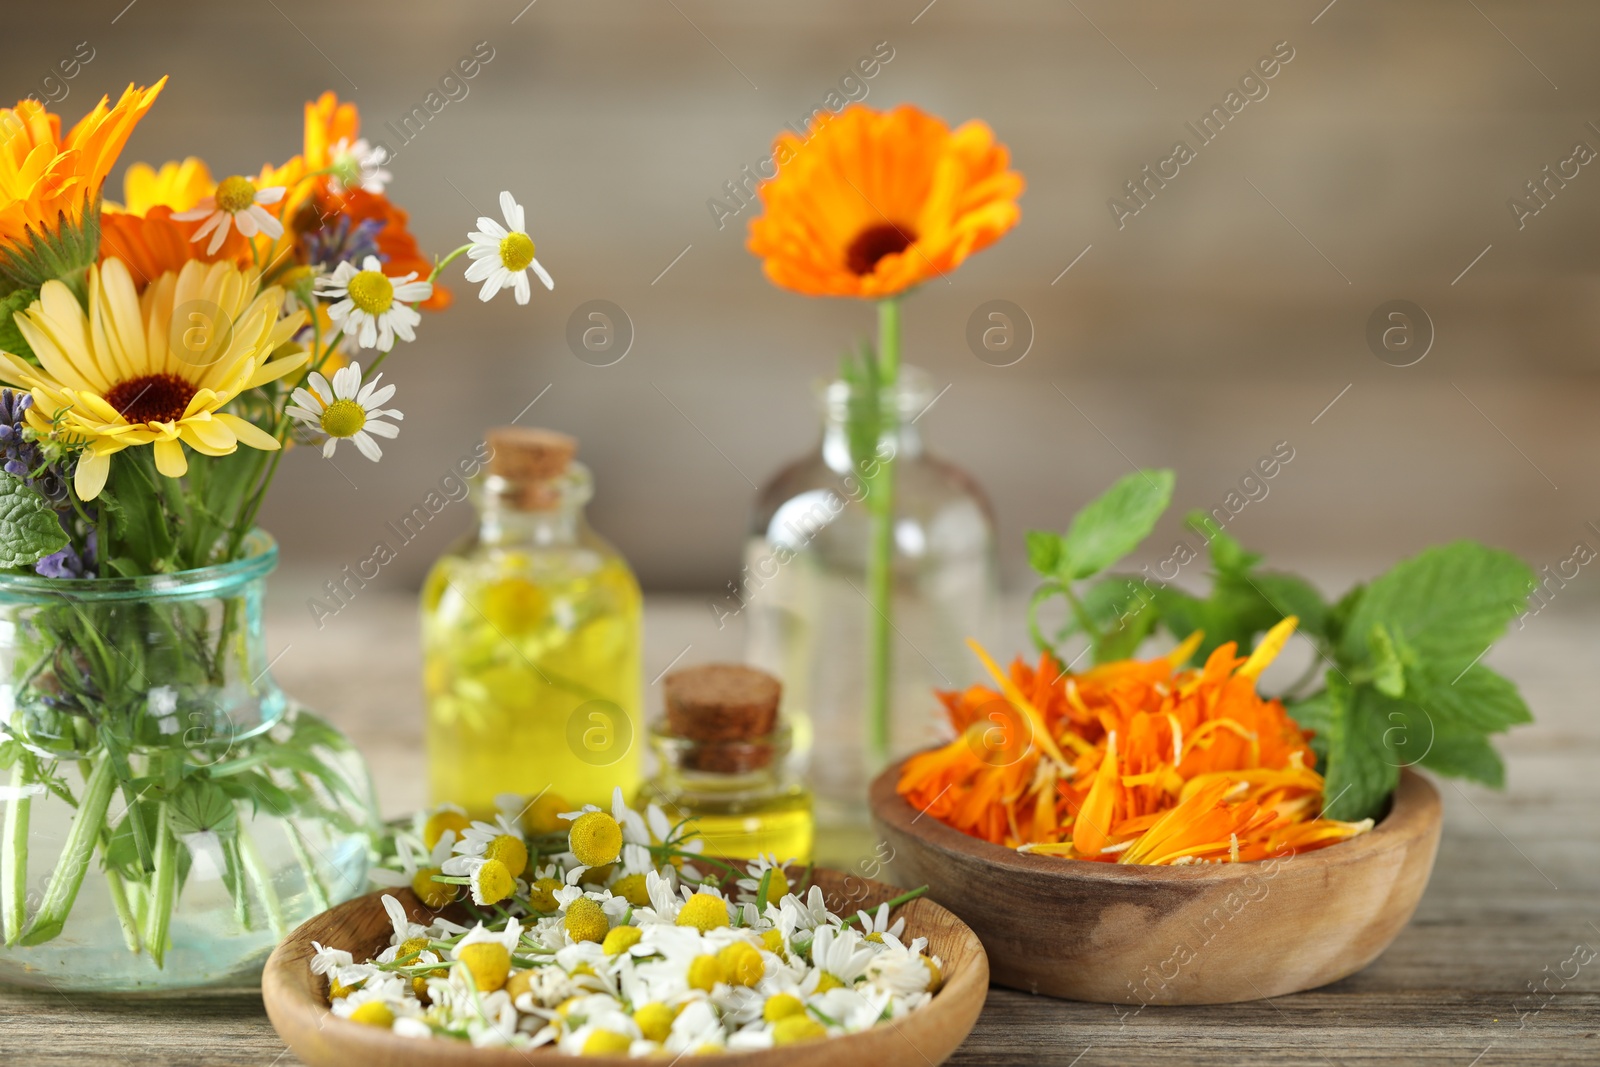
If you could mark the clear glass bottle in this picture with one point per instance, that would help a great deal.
(744, 796)
(804, 594)
(531, 646)
(169, 812)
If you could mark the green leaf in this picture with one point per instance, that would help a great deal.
(1388, 673)
(1314, 715)
(11, 339)
(142, 530)
(1044, 551)
(1113, 524)
(1466, 755)
(1447, 604)
(201, 805)
(1478, 700)
(29, 529)
(1228, 556)
(1362, 767)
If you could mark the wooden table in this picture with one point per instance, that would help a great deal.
(1515, 892)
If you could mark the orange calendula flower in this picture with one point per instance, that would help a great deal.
(48, 183)
(1131, 762)
(871, 203)
(345, 207)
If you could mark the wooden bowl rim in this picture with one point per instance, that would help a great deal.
(294, 1000)
(1414, 810)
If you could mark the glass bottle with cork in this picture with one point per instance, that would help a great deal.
(531, 639)
(723, 759)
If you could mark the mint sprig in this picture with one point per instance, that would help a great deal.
(29, 529)
(1398, 659)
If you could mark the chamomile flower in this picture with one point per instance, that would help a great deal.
(500, 840)
(410, 862)
(371, 306)
(595, 839)
(236, 203)
(490, 880)
(346, 409)
(875, 926)
(839, 958)
(903, 969)
(358, 164)
(777, 881)
(502, 255)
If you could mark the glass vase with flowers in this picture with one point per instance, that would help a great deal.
(875, 558)
(168, 812)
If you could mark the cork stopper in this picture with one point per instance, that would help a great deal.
(729, 709)
(528, 458)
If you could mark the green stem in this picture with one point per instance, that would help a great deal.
(163, 886)
(261, 879)
(241, 895)
(14, 856)
(893, 902)
(880, 562)
(119, 901)
(446, 261)
(297, 844)
(74, 862)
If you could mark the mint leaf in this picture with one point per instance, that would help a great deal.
(1314, 715)
(1388, 672)
(1362, 767)
(1466, 755)
(1447, 604)
(1478, 700)
(1113, 524)
(1044, 551)
(29, 529)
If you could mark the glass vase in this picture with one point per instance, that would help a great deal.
(868, 498)
(169, 814)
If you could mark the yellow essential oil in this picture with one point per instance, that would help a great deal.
(531, 637)
(723, 760)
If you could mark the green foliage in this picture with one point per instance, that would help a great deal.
(29, 529)
(11, 339)
(1399, 656)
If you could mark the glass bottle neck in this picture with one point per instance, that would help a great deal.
(540, 515)
(858, 427)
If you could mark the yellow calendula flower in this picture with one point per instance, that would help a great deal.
(153, 369)
(179, 186)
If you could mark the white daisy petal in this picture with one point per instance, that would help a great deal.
(544, 275)
(367, 445)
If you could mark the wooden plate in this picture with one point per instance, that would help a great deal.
(1124, 934)
(297, 1004)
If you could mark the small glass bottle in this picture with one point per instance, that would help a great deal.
(531, 640)
(805, 602)
(723, 760)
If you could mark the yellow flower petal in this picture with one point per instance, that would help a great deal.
(170, 459)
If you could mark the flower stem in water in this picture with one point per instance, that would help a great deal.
(74, 862)
(14, 856)
(163, 883)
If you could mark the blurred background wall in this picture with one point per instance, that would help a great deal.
(1228, 315)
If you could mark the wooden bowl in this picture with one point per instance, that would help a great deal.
(298, 1006)
(1216, 934)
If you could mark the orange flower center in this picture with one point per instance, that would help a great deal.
(152, 398)
(873, 243)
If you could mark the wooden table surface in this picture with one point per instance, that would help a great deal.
(1487, 973)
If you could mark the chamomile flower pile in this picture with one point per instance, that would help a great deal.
(594, 932)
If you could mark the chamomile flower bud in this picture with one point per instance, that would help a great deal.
(705, 972)
(781, 1006)
(606, 1043)
(542, 894)
(704, 912)
(586, 920)
(488, 962)
(793, 1029)
(632, 888)
(373, 1013)
(595, 839)
(491, 883)
(621, 940)
(655, 1021)
(743, 964)
(434, 895)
